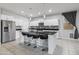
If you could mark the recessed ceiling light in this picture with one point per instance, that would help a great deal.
(44, 16)
(22, 11)
(31, 15)
(30, 18)
(30, 8)
(50, 10)
(39, 13)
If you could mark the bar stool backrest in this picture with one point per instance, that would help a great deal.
(23, 33)
(29, 35)
(43, 37)
(35, 36)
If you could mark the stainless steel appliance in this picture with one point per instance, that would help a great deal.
(8, 31)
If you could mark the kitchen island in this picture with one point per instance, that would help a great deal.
(51, 39)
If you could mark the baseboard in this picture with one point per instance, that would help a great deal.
(69, 39)
(8, 41)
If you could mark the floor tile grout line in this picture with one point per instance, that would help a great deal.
(9, 50)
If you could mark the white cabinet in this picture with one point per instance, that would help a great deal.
(51, 22)
(34, 23)
(51, 43)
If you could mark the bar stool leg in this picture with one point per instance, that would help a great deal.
(35, 44)
(45, 46)
(29, 42)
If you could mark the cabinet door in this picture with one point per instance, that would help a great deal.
(12, 30)
(5, 31)
(0, 31)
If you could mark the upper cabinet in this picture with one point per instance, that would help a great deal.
(51, 22)
(36, 22)
(47, 22)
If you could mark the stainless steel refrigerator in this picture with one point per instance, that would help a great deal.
(8, 31)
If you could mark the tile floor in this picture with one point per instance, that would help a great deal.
(67, 47)
(63, 47)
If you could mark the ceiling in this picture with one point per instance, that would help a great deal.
(37, 9)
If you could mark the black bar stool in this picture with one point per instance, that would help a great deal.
(29, 38)
(35, 38)
(45, 42)
(25, 35)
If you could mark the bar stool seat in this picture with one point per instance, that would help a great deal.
(35, 36)
(44, 37)
(29, 35)
(24, 33)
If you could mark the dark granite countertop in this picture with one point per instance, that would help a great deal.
(39, 33)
